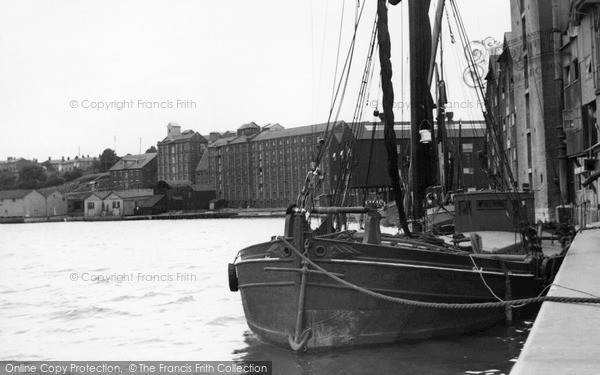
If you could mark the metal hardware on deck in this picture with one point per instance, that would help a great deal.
(372, 228)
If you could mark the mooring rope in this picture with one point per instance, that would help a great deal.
(483, 305)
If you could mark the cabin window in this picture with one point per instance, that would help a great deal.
(491, 205)
(90, 205)
(467, 147)
(116, 204)
(464, 207)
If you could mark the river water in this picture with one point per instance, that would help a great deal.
(157, 290)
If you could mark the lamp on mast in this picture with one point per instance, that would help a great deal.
(425, 132)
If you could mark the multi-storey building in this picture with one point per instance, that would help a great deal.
(536, 98)
(579, 54)
(543, 90)
(465, 142)
(135, 172)
(503, 163)
(179, 154)
(263, 167)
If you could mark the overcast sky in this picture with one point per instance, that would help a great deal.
(208, 65)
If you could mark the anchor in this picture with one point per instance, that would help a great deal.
(301, 337)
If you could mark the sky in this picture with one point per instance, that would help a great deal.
(77, 77)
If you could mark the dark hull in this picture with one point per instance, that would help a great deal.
(334, 315)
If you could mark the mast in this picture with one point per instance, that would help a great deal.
(420, 113)
(383, 39)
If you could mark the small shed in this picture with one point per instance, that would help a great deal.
(125, 203)
(76, 203)
(94, 204)
(156, 204)
(22, 203)
(217, 204)
(56, 202)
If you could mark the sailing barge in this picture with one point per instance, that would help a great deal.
(292, 296)
(325, 288)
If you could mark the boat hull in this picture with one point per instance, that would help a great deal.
(334, 315)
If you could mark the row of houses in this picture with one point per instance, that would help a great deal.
(51, 203)
(260, 166)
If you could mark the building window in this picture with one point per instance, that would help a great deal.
(90, 205)
(467, 147)
(116, 204)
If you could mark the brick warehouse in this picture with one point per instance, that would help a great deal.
(179, 154)
(266, 167)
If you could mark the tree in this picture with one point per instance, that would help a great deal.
(108, 158)
(54, 180)
(49, 167)
(71, 175)
(8, 180)
(151, 150)
(31, 176)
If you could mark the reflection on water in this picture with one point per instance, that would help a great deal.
(490, 352)
(180, 308)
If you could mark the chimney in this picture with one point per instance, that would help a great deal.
(173, 130)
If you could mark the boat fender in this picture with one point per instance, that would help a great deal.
(548, 269)
(233, 279)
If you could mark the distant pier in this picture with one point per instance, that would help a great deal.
(565, 338)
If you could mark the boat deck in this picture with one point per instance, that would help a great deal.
(501, 242)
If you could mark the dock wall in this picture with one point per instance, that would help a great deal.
(565, 338)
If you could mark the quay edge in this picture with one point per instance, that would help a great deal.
(565, 337)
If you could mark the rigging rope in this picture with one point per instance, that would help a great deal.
(460, 306)
(487, 113)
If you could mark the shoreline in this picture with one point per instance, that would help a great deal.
(226, 213)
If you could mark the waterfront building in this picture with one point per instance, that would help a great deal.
(179, 154)
(465, 142)
(538, 110)
(503, 162)
(126, 203)
(76, 203)
(135, 172)
(22, 204)
(267, 167)
(183, 195)
(56, 202)
(94, 204)
(580, 57)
